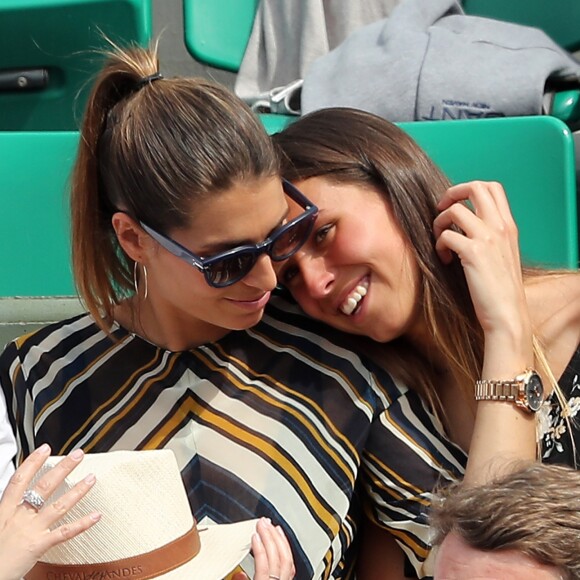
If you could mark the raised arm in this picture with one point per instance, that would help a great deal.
(487, 245)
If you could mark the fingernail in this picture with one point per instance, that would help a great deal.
(280, 531)
(44, 449)
(90, 479)
(95, 516)
(256, 537)
(77, 454)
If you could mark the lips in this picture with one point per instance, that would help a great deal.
(353, 300)
(253, 303)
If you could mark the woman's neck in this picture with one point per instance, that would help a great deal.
(164, 328)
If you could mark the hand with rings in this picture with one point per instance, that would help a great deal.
(272, 554)
(25, 520)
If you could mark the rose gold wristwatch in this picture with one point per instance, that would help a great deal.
(526, 391)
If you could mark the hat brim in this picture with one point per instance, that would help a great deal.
(223, 547)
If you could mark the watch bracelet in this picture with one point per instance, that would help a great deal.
(505, 390)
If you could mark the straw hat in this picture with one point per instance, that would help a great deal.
(146, 519)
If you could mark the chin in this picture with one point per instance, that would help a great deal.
(379, 338)
(247, 322)
(381, 335)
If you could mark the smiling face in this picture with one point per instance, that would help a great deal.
(245, 214)
(180, 303)
(356, 272)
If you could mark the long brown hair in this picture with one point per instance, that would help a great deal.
(355, 147)
(151, 147)
(351, 146)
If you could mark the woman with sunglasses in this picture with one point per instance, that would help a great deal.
(178, 213)
(431, 273)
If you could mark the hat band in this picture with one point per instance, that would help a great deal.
(149, 565)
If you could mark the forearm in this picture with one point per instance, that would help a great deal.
(503, 433)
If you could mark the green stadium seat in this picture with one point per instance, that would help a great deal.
(35, 169)
(48, 57)
(533, 158)
(36, 283)
(217, 31)
(559, 19)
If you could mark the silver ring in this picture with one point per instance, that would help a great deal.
(33, 498)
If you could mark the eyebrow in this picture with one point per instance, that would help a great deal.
(230, 244)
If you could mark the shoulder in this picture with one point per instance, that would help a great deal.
(50, 341)
(554, 301)
(286, 328)
(284, 313)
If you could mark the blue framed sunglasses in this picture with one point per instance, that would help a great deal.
(227, 268)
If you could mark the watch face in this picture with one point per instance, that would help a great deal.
(534, 392)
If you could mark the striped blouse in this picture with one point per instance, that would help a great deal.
(278, 421)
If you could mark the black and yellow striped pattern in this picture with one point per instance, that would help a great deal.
(274, 421)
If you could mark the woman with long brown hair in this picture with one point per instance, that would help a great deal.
(431, 273)
(178, 214)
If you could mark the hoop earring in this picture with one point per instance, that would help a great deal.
(136, 282)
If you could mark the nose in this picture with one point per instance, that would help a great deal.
(317, 278)
(262, 275)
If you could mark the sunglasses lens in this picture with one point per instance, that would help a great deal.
(221, 272)
(291, 239)
(231, 269)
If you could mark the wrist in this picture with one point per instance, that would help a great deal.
(525, 390)
(507, 353)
